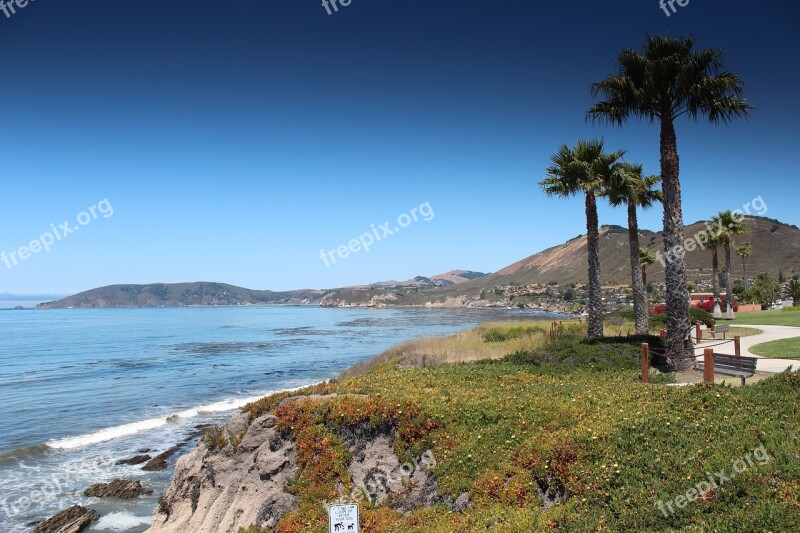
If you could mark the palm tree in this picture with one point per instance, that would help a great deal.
(793, 290)
(663, 81)
(646, 258)
(714, 243)
(585, 169)
(744, 251)
(628, 186)
(729, 225)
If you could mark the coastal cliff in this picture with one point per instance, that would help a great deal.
(242, 474)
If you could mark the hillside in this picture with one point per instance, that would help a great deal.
(776, 247)
(454, 277)
(534, 430)
(180, 295)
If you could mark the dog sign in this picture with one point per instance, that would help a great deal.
(343, 518)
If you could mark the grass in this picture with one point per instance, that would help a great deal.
(734, 331)
(553, 413)
(778, 317)
(782, 349)
(486, 342)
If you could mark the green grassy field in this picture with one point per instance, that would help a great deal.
(734, 331)
(779, 317)
(782, 349)
(561, 417)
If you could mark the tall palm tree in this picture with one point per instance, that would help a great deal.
(646, 258)
(729, 225)
(663, 81)
(714, 243)
(744, 251)
(629, 186)
(585, 169)
(793, 290)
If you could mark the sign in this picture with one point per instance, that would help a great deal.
(343, 518)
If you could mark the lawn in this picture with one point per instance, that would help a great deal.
(734, 331)
(782, 349)
(778, 317)
(562, 415)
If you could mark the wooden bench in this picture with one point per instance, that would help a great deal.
(721, 329)
(730, 365)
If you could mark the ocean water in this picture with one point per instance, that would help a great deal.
(83, 389)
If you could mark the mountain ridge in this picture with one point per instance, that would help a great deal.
(776, 247)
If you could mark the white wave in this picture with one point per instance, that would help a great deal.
(124, 430)
(121, 521)
(107, 434)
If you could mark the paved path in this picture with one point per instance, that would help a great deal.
(770, 333)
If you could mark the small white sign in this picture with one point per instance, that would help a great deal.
(343, 518)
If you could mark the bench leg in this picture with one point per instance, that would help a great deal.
(743, 381)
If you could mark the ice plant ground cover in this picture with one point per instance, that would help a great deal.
(569, 416)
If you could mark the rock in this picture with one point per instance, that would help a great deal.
(215, 492)
(119, 488)
(135, 460)
(72, 520)
(159, 462)
(462, 503)
(376, 469)
(237, 424)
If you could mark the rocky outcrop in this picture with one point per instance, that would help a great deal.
(72, 520)
(217, 491)
(159, 462)
(221, 489)
(379, 476)
(119, 488)
(135, 460)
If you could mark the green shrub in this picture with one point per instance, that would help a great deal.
(507, 334)
(659, 321)
(700, 315)
(214, 438)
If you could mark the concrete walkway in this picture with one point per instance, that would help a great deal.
(770, 333)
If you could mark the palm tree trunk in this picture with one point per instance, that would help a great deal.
(644, 281)
(744, 269)
(640, 311)
(715, 281)
(680, 353)
(595, 289)
(728, 280)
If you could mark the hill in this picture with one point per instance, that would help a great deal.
(528, 283)
(776, 248)
(180, 295)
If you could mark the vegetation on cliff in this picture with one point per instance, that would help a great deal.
(560, 436)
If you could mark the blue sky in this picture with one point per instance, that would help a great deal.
(236, 140)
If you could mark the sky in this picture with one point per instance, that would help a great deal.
(235, 141)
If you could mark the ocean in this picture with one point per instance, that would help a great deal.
(83, 389)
